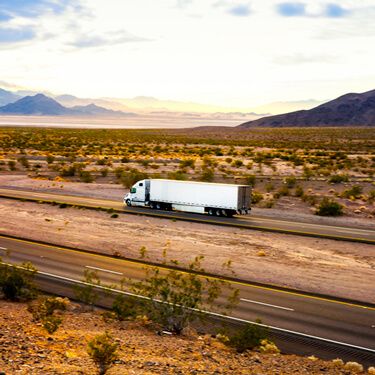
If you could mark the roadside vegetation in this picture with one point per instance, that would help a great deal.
(286, 167)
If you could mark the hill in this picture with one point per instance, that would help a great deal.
(42, 105)
(347, 110)
(7, 97)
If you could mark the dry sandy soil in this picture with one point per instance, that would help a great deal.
(25, 348)
(337, 268)
(287, 208)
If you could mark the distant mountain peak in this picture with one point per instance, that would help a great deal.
(351, 109)
(40, 104)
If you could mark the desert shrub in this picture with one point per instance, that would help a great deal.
(50, 159)
(371, 196)
(354, 192)
(290, 181)
(178, 175)
(125, 159)
(310, 199)
(125, 307)
(103, 351)
(353, 367)
(207, 175)
(114, 216)
(104, 172)
(86, 292)
(268, 203)
(44, 309)
(17, 282)
(24, 162)
(237, 163)
(282, 192)
(251, 180)
(256, 197)
(12, 165)
(69, 171)
(187, 163)
(329, 207)
(269, 187)
(175, 298)
(249, 337)
(86, 177)
(129, 178)
(338, 178)
(299, 191)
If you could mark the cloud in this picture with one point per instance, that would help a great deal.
(300, 58)
(298, 9)
(240, 10)
(183, 3)
(111, 38)
(32, 8)
(10, 35)
(335, 11)
(291, 9)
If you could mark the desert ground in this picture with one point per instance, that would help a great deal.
(291, 170)
(25, 348)
(325, 266)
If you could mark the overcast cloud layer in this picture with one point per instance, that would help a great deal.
(231, 53)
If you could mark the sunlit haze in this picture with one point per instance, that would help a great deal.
(233, 55)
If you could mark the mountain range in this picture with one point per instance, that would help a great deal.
(43, 105)
(347, 110)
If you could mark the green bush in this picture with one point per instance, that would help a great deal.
(299, 191)
(86, 177)
(129, 178)
(249, 337)
(17, 282)
(174, 299)
(12, 165)
(102, 350)
(207, 175)
(251, 180)
(338, 178)
(329, 207)
(354, 192)
(256, 197)
(290, 181)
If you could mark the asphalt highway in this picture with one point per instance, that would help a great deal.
(247, 222)
(343, 322)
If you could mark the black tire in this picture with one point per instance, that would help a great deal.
(152, 205)
(128, 203)
(210, 212)
(158, 206)
(218, 212)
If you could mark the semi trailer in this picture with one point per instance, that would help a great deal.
(188, 196)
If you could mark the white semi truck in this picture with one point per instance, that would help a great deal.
(197, 197)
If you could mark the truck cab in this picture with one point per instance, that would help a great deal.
(139, 194)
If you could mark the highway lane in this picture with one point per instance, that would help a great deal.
(335, 320)
(247, 222)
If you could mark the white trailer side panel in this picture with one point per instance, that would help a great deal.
(202, 194)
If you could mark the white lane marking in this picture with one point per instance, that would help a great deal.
(204, 311)
(104, 270)
(3, 248)
(266, 304)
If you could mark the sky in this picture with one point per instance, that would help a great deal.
(238, 54)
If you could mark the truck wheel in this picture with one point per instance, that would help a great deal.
(218, 212)
(158, 206)
(128, 203)
(211, 212)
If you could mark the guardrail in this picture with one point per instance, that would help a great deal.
(288, 341)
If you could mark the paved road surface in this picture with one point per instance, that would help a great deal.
(250, 221)
(334, 320)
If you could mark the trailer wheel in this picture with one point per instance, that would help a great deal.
(218, 212)
(211, 212)
(158, 206)
(128, 202)
(152, 205)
